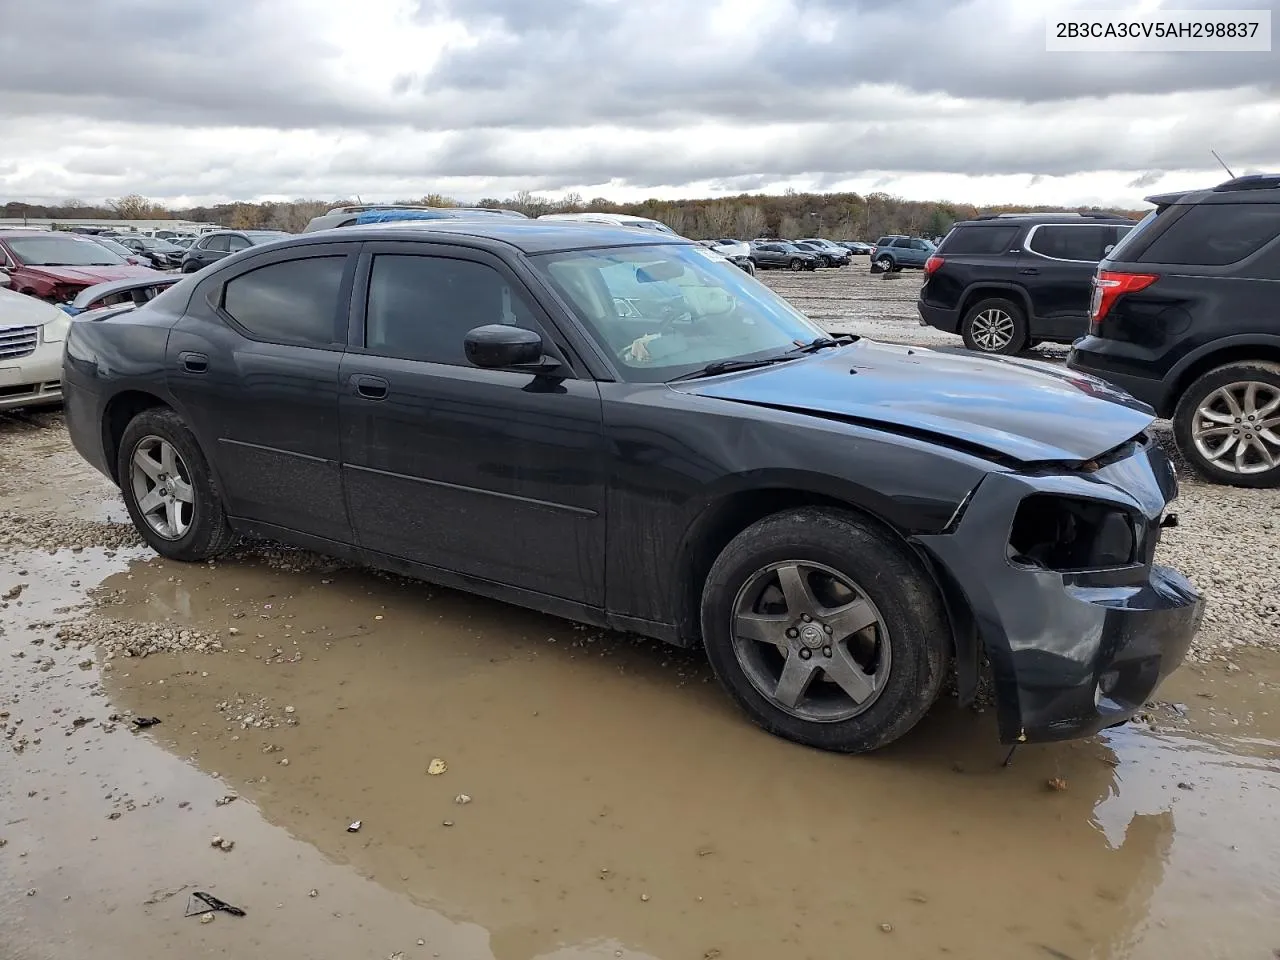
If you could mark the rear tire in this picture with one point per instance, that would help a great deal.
(996, 326)
(1210, 435)
(884, 264)
(200, 531)
(897, 661)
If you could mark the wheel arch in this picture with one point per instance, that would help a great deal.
(723, 518)
(117, 415)
(1195, 365)
(988, 288)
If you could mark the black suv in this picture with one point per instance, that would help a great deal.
(1186, 317)
(1009, 281)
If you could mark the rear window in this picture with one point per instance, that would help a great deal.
(291, 301)
(1215, 234)
(979, 240)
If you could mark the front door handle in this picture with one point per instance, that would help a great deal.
(193, 362)
(1029, 271)
(371, 388)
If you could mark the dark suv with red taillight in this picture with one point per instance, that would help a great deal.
(1186, 317)
(1009, 281)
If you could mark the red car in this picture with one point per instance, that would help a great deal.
(56, 266)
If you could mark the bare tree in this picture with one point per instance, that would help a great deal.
(749, 222)
(136, 207)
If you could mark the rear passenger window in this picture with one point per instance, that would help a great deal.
(421, 308)
(1216, 234)
(979, 240)
(1071, 242)
(293, 301)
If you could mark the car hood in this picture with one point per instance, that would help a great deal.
(91, 275)
(21, 310)
(1021, 409)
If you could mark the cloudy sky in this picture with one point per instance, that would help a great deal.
(193, 102)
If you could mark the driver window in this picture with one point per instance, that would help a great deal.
(422, 307)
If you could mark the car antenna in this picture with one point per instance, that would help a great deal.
(1224, 166)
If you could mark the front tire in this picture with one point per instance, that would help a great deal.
(1227, 424)
(190, 267)
(795, 264)
(995, 325)
(824, 630)
(169, 489)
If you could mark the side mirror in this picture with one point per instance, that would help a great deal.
(499, 346)
(5, 279)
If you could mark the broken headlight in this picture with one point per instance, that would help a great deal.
(1066, 533)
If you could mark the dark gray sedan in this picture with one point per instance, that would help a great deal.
(213, 246)
(626, 430)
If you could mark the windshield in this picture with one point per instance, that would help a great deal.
(264, 236)
(158, 244)
(62, 252)
(663, 311)
(117, 248)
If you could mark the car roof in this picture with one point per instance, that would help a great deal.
(998, 219)
(528, 236)
(1254, 188)
(29, 232)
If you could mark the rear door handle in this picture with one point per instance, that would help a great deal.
(371, 388)
(193, 362)
(1029, 271)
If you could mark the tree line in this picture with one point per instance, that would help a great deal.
(837, 216)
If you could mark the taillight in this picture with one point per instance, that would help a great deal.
(1108, 287)
(932, 264)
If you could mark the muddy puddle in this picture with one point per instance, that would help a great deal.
(616, 804)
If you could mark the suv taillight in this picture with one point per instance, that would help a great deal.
(1108, 287)
(932, 264)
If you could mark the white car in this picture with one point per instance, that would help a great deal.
(615, 219)
(31, 339)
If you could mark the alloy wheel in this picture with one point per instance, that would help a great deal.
(992, 330)
(1237, 427)
(162, 487)
(811, 641)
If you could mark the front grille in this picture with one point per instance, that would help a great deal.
(18, 342)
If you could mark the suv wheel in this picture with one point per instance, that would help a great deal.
(995, 326)
(824, 630)
(1227, 424)
(884, 263)
(168, 488)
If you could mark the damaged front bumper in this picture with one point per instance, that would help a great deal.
(1072, 651)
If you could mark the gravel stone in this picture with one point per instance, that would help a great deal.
(120, 638)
